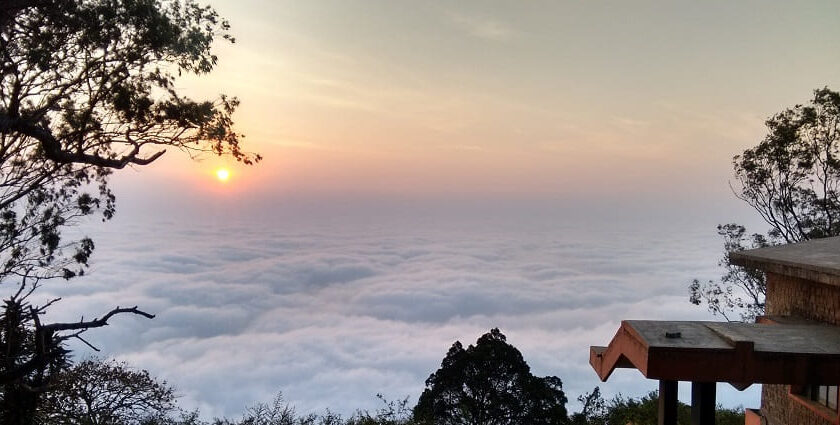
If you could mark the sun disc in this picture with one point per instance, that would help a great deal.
(222, 174)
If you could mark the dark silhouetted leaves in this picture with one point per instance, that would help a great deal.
(792, 180)
(489, 383)
(86, 87)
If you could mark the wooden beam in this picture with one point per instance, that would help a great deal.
(668, 402)
(703, 403)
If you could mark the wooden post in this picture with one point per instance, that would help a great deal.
(703, 403)
(668, 402)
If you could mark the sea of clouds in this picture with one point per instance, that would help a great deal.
(333, 311)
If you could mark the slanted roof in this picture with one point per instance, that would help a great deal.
(739, 353)
(817, 260)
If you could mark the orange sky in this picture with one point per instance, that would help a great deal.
(491, 99)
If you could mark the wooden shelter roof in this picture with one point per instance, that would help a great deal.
(817, 260)
(739, 353)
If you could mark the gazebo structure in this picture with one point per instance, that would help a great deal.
(794, 350)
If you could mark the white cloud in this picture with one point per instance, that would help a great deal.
(332, 316)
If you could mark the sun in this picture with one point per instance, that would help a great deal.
(223, 174)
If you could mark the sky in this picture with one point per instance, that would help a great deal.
(510, 99)
(435, 169)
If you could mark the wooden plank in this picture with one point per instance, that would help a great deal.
(668, 402)
(703, 396)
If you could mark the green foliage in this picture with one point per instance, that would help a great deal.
(740, 289)
(489, 383)
(596, 411)
(640, 411)
(105, 392)
(279, 412)
(792, 180)
(593, 409)
(113, 385)
(393, 413)
(729, 416)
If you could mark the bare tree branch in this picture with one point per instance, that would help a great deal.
(95, 323)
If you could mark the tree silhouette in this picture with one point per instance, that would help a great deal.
(87, 87)
(792, 180)
(105, 392)
(489, 383)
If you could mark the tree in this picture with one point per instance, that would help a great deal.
(87, 87)
(277, 413)
(640, 411)
(96, 392)
(489, 383)
(740, 289)
(280, 412)
(593, 409)
(792, 180)
(394, 412)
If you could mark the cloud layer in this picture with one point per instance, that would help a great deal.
(332, 315)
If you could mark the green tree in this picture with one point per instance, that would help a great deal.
(640, 411)
(593, 409)
(96, 392)
(392, 413)
(489, 383)
(87, 87)
(792, 180)
(644, 411)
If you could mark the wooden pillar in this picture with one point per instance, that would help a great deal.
(703, 403)
(668, 402)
